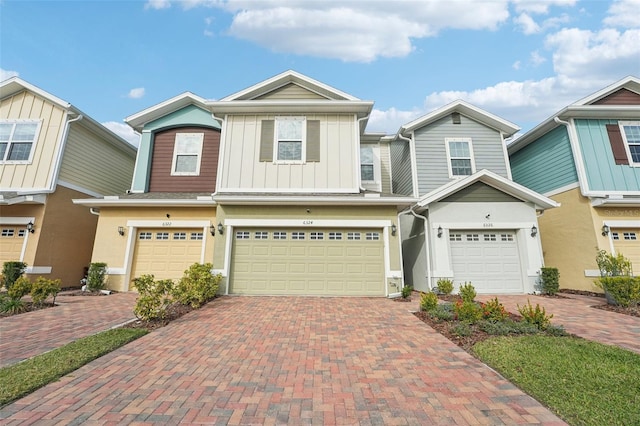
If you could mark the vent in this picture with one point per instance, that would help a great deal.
(455, 117)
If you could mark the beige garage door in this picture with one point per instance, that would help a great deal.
(331, 262)
(626, 241)
(166, 253)
(11, 242)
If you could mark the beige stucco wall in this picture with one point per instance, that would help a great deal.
(19, 211)
(110, 247)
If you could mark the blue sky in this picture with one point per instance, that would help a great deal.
(521, 60)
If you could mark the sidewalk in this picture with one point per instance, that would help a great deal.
(26, 335)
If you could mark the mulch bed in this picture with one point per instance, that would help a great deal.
(633, 311)
(174, 312)
(29, 307)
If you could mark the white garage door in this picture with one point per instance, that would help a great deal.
(12, 239)
(627, 242)
(166, 253)
(308, 262)
(489, 260)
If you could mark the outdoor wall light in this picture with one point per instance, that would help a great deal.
(121, 230)
(534, 231)
(220, 228)
(30, 227)
(212, 230)
(439, 231)
(393, 229)
(605, 230)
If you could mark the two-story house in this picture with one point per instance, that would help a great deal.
(586, 157)
(166, 219)
(471, 222)
(50, 153)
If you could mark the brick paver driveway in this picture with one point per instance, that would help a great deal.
(282, 360)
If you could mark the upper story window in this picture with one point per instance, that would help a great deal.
(631, 136)
(17, 139)
(460, 157)
(367, 172)
(187, 153)
(290, 139)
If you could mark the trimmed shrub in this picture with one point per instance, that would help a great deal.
(20, 288)
(428, 301)
(493, 310)
(442, 312)
(406, 291)
(508, 326)
(613, 266)
(96, 276)
(624, 290)
(197, 286)
(536, 316)
(550, 280)
(445, 286)
(43, 288)
(469, 312)
(154, 297)
(467, 292)
(11, 271)
(462, 329)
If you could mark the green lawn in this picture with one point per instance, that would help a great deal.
(583, 382)
(21, 379)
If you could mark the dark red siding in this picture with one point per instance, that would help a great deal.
(161, 179)
(620, 97)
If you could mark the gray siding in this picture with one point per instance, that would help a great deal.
(401, 180)
(480, 193)
(431, 154)
(385, 168)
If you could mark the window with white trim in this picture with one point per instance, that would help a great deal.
(187, 154)
(615, 236)
(162, 235)
(22, 232)
(17, 139)
(335, 235)
(316, 235)
(279, 235)
(373, 236)
(297, 235)
(455, 237)
(629, 236)
(289, 143)
(242, 235)
(460, 157)
(353, 236)
(7, 232)
(489, 237)
(367, 172)
(144, 236)
(196, 235)
(630, 132)
(261, 235)
(179, 235)
(473, 237)
(506, 237)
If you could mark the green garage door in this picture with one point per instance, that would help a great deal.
(330, 262)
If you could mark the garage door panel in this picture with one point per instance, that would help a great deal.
(335, 251)
(319, 268)
(626, 241)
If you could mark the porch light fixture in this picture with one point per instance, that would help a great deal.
(30, 227)
(212, 230)
(605, 230)
(393, 229)
(121, 230)
(439, 231)
(220, 228)
(534, 231)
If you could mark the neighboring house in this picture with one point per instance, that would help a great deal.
(50, 153)
(586, 157)
(471, 223)
(166, 221)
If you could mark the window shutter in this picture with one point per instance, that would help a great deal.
(313, 140)
(266, 140)
(617, 144)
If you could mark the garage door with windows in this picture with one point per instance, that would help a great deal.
(489, 260)
(166, 253)
(626, 241)
(332, 262)
(11, 243)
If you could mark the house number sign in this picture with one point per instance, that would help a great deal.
(487, 225)
(166, 223)
(307, 222)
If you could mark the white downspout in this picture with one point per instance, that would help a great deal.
(426, 242)
(93, 210)
(414, 167)
(63, 144)
(358, 173)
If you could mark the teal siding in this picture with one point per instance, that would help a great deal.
(546, 164)
(602, 172)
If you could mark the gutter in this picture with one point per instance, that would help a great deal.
(359, 175)
(63, 144)
(426, 241)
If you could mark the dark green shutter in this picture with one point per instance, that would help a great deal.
(266, 140)
(313, 140)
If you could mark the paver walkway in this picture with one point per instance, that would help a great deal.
(578, 317)
(285, 360)
(27, 335)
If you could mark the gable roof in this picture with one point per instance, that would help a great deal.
(466, 109)
(138, 120)
(493, 180)
(585, 108)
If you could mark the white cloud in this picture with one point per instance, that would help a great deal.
(536, 58)
(527, 24)
(5, 74)
(124, 131)
(623, 14)
(157, 4)
(389, 121)
(136, 93)
(516, 65)
(540, 6)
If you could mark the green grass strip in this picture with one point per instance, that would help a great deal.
(584, 382)
(21, 379)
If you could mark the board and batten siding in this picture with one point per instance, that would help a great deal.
(480, 193)
(385, 168)
(93, 164)
(431, 154)
(546, 164)
(290, 91)
(37, 174)
(242, 169)
(602, 172)
(401, 178)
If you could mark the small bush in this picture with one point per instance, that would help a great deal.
(469, 312)
(443, 312)
(613, 265)
(154, 297)
(20, 288)
(445, 286)
(493, 310)
(550, 280)
(428, 301)
(462, 329)
(625, 290)
(507, 326)
(406, 291)
(43, 288)
(12, 306)
(556, 330)
(11, 271)
(96, 277)
(467, 292)
(536, 316)
(197, 286)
